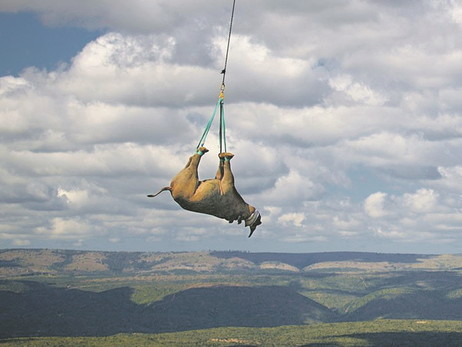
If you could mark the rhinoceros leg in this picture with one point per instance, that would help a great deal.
(227, 177)
(184, 184)
(219, 174)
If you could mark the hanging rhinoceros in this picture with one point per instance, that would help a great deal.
(217, 197)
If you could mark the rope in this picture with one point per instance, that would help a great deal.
(227, 46)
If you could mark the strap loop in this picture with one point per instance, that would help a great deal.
(209, 124)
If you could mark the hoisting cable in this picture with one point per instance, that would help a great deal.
(220, 102)
(227, 46)
(222, 88)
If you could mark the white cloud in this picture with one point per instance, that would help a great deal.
(347, 225)
(424, 200)
(295, 219)
(61, 228)
(389, 234)
(451, 179)
(74, 197)
(293, 187)
(143, 69)
(318, 96)
(358, 92)
(374, 205)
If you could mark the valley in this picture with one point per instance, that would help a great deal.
(94, 295)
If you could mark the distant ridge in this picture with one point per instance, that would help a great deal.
(27, 262)
(301, 260)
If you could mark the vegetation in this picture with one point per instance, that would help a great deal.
(270, 299)
(374, 333)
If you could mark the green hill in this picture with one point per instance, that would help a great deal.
(43, 310)
(81, 293)
(379, 333)
(421, 304)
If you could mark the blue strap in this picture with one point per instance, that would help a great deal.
(222, 128)
(209, 124)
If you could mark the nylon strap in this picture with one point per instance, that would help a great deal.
(222, 127)
(209, 124)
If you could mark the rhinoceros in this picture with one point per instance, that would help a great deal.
(217, 197)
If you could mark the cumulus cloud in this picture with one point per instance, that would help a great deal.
(317, 93)
(423, 200)
(375, 205)
(65, 228)
(292, 218)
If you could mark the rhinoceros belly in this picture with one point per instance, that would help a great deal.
(208, 199)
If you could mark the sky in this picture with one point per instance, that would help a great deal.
(345, 118)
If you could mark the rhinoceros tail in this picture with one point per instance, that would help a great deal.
(160, 191)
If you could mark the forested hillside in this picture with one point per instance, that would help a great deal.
(76, 293)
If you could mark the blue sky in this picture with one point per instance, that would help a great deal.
(344, 118)
(26, 42)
